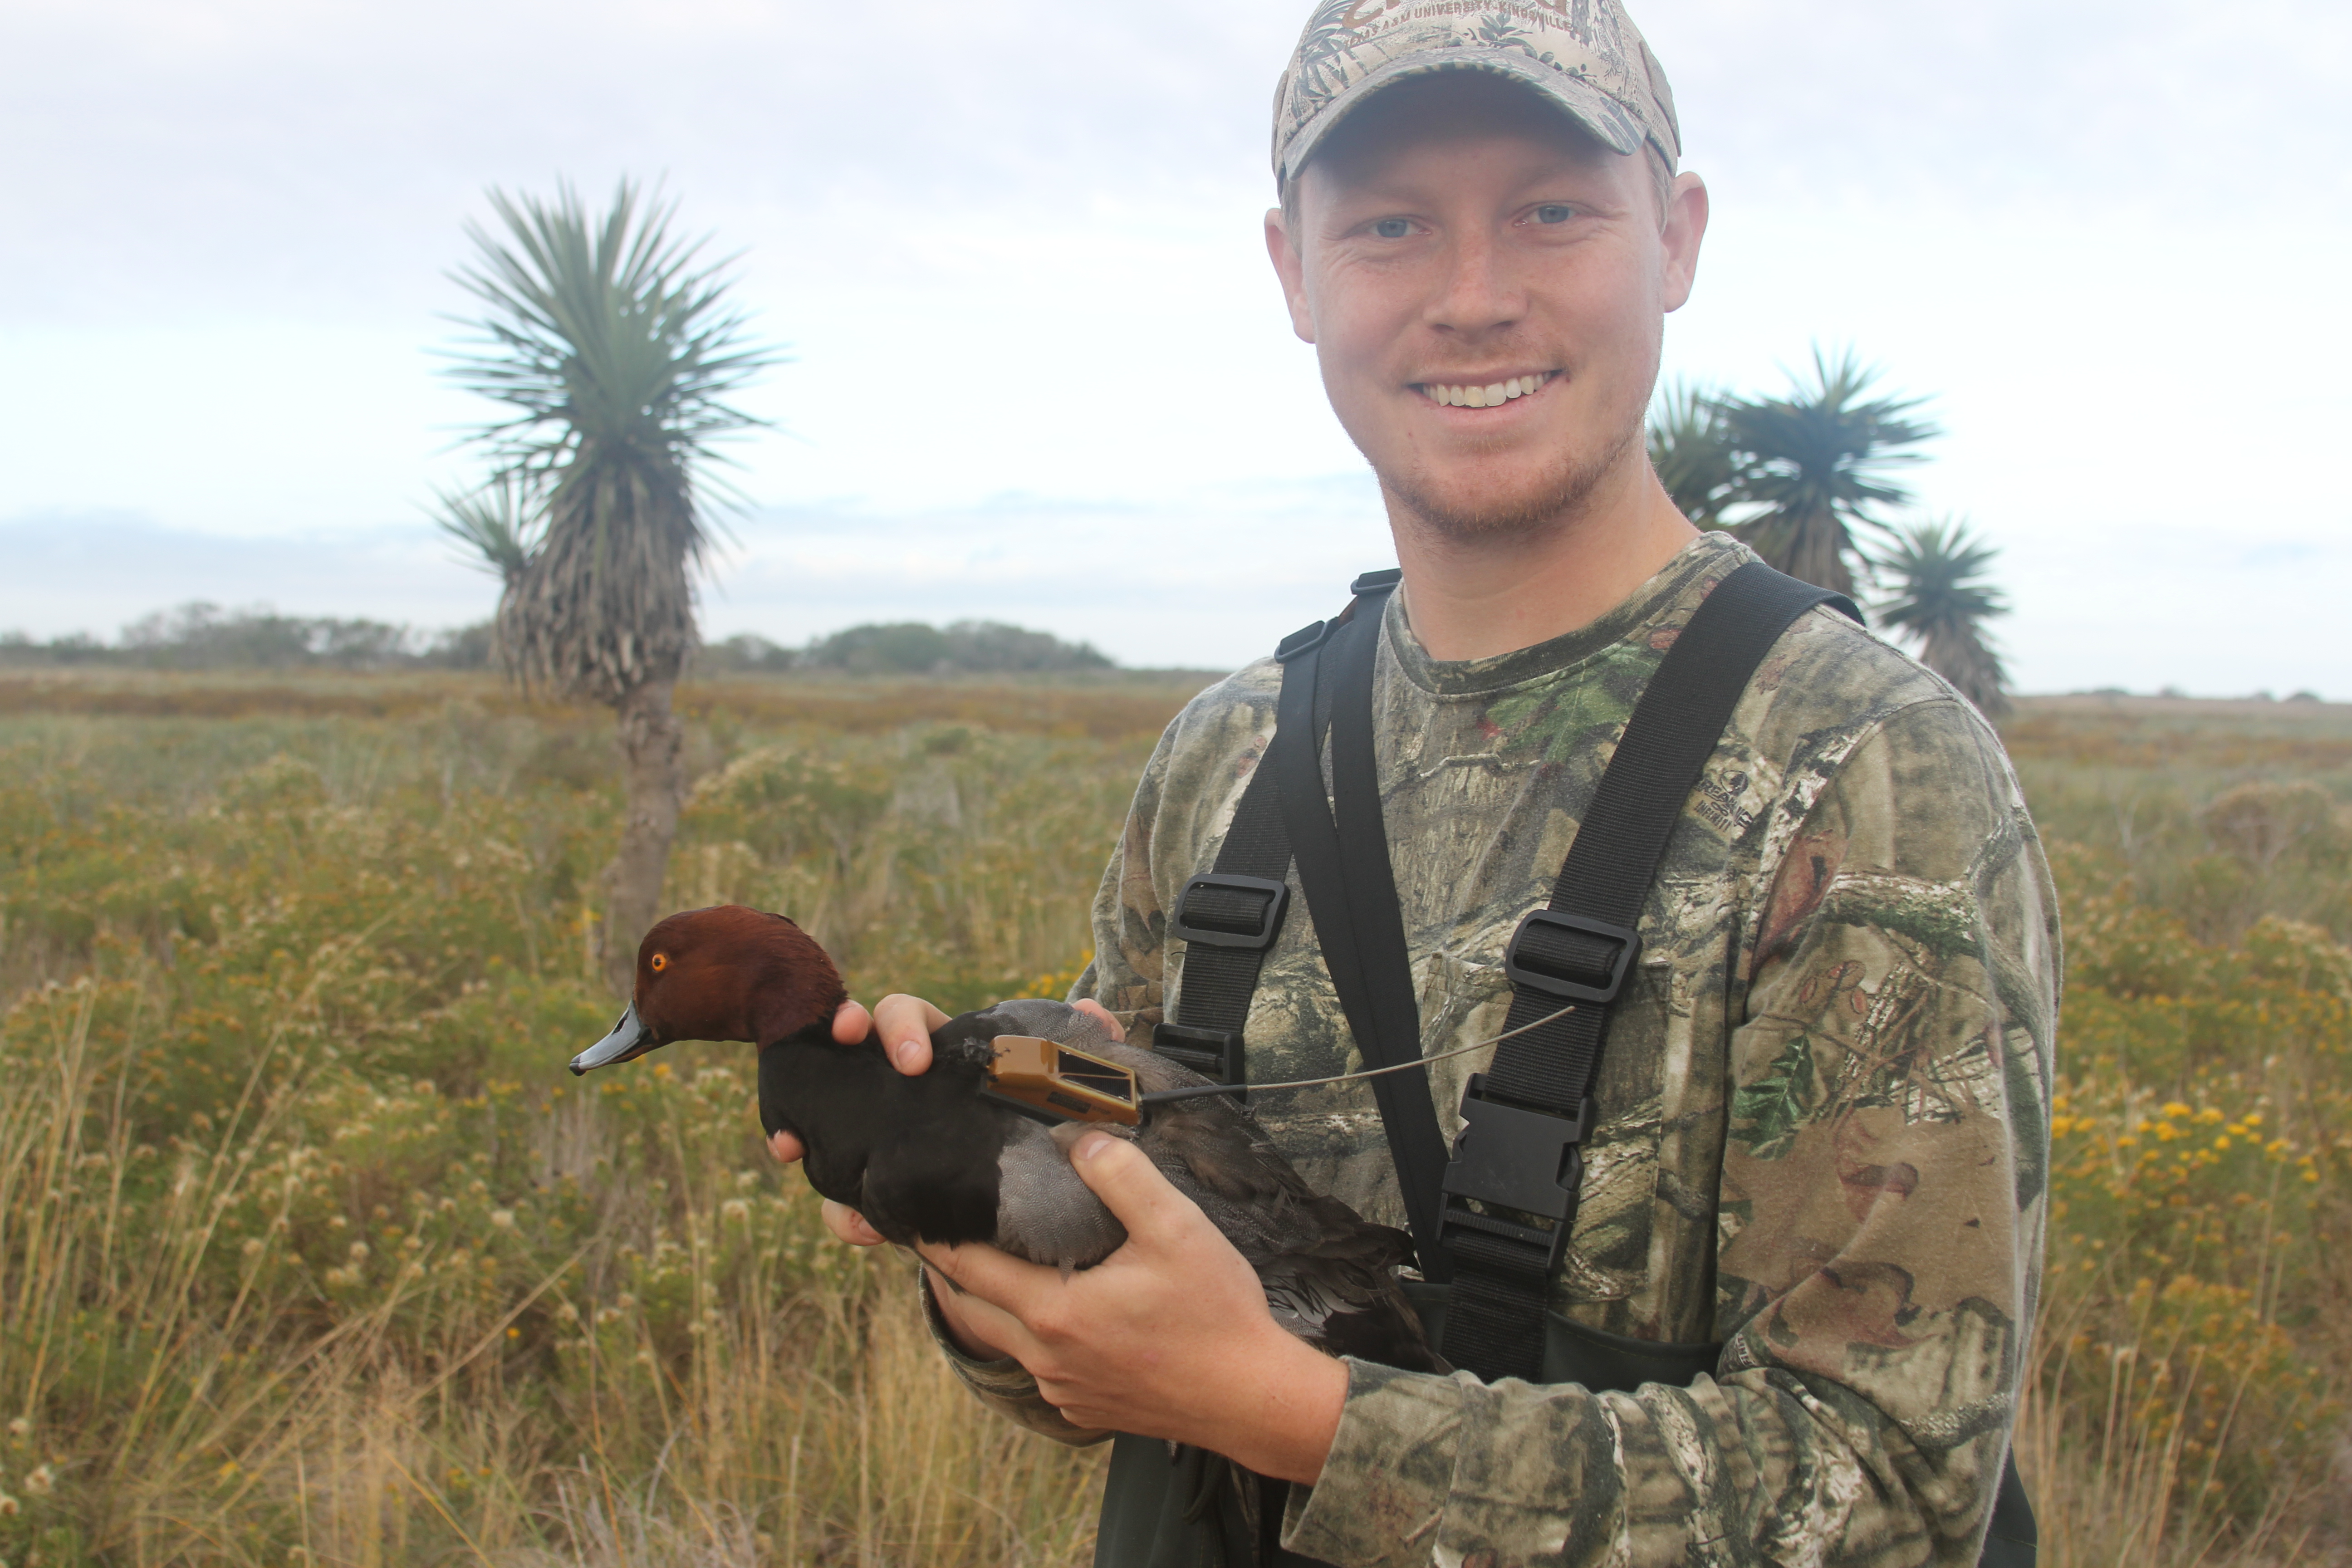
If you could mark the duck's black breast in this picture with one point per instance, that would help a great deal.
(916, 1156)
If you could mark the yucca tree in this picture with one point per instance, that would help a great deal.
(1816, 464)
(1938, 596)
(617, 350)
(1692, 450)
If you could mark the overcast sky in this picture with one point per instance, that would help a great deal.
(1039, 368)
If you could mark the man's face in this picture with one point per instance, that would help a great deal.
(1485, 286)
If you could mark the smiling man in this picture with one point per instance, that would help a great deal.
(1812, 1163)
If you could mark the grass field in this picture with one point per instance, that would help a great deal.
(310, 1252)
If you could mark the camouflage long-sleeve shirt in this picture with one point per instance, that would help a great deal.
(1824, 1122)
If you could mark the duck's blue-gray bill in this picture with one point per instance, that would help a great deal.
(629, 1039)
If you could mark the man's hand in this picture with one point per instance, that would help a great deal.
(1168, 1337)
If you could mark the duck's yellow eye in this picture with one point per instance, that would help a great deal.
(661, 962)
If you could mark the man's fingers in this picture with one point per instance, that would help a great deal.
(785, 1147)
(905, 1024)
(851, 1024)
(985, 1329)
(850, 1226)
(996, 1278)
(1094, 1009)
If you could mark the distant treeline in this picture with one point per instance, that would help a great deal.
(203, 636)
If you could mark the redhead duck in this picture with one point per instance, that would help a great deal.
(936, 1158)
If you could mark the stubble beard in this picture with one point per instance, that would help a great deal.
(1553, 499)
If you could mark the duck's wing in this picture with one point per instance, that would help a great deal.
(1330, 1276)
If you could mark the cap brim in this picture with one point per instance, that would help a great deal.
(1609, 122)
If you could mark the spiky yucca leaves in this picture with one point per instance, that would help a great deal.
(617, 352)
(495, 523)
(1819, 458)
(1692, 450)
(1941, 600)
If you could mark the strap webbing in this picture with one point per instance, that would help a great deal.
(1504, 1254)
(1351, 894)
(1218, 981)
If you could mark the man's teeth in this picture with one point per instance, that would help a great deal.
(1492, 395)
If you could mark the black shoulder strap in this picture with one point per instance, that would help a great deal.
(1510, 1193)
(1227, 918)
(1230, 915)
(1343, 868)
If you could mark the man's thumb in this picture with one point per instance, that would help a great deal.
(1121, 1174)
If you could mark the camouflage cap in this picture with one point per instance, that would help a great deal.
(1586, 55)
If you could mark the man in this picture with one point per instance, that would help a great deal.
(1821, 1127)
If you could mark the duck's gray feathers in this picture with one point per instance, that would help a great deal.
(1044, 1211)
(1329, 1277)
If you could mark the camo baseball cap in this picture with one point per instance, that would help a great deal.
(1586, 55)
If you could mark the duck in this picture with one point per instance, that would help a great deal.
(934, 1158)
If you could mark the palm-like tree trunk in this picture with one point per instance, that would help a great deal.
(654, 788)
(1817, 550)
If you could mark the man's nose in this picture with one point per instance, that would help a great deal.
(1477, 291)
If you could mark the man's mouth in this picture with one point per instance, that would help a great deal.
(1488, 395)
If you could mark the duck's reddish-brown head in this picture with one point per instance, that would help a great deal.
(722, 974)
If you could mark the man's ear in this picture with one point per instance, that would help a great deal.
(1686, 228)
(1289, 267)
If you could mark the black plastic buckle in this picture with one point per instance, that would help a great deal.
(1526, 1164)
(1214, 1054)
(1379, 582)
(1554, 983)
(1269, 925)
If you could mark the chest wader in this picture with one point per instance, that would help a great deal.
(1491, 1219)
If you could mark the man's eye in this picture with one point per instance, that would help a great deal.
(1392, 228)
(1554, 212)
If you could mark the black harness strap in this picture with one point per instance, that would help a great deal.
(1228, 919)
(1511, 1191)
(1351, 893)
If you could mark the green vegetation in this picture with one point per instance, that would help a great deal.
(202, 635)
(307, 1241)
(982, 647)
(2194, 1321)
(310, 1250)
